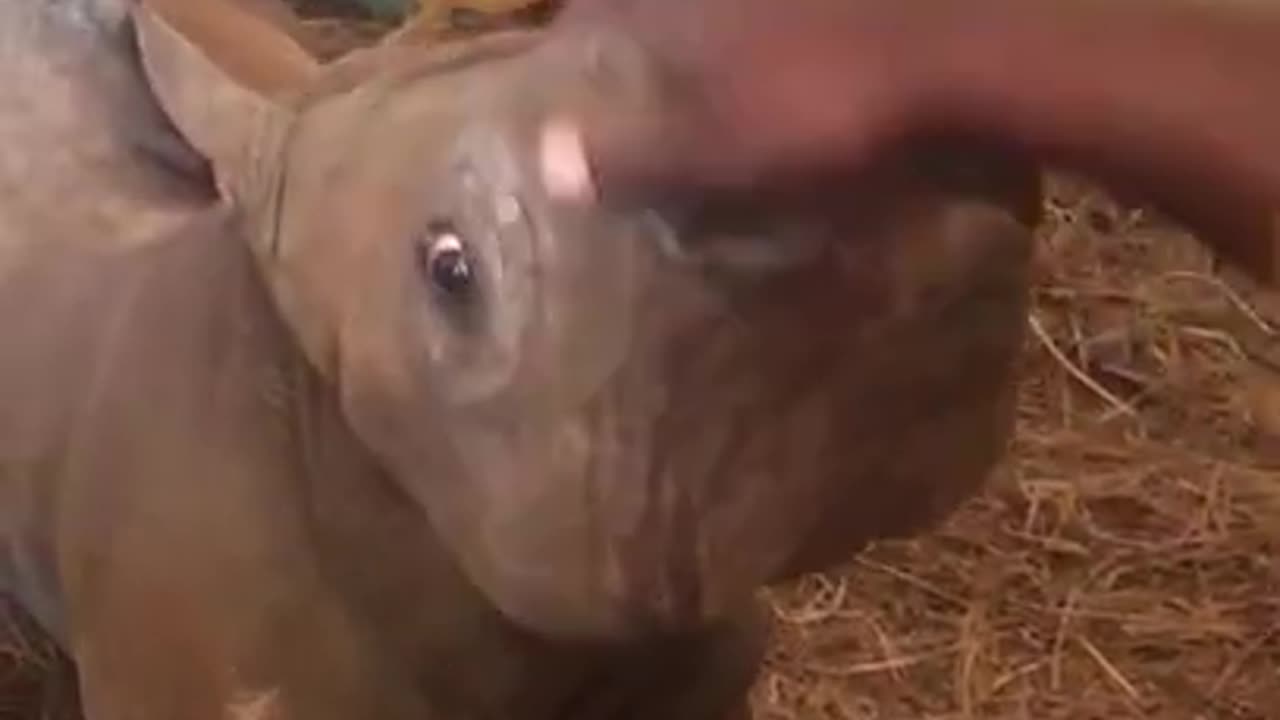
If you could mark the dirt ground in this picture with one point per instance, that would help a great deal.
(1125, 560)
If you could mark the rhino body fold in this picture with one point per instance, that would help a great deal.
(314, 404)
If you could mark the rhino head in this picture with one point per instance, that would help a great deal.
(618, 421)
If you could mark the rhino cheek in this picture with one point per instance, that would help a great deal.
(513, 528)
(726, 514)
(602, 524)
(563, 527)
(523, 519)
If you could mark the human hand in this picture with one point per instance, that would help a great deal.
(757, 93)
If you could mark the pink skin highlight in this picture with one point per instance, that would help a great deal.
(562, 162)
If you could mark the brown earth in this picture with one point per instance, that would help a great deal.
(1125, 560)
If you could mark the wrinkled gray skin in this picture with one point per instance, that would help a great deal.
(253, 461)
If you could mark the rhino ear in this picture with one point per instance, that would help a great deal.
(220, 73)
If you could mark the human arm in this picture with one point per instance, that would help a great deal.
(1169, 101)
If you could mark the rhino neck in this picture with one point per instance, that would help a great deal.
(434, 636)
(88, 156)
(430, 631)
(434, 631)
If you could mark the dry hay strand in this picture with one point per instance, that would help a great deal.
(1124, 560)
(332, 27)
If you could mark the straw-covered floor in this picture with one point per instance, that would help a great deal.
(1125, 560)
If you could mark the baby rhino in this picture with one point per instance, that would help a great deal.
(378, 427)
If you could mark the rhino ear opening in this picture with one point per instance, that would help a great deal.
(220, 74)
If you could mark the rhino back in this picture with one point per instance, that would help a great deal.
(89, 160)
(52, 325)
(96, 347)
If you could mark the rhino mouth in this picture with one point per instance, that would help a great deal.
(738, 246)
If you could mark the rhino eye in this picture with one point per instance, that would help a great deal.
(445, 260)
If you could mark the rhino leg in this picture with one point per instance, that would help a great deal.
(210, 643)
